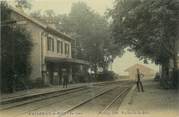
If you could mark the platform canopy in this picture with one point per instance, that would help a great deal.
(66, 60)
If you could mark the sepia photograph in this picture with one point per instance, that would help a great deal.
(89, 58)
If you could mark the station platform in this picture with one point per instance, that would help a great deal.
(153, 102)
(30, 93)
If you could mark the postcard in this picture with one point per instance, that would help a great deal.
(89, 58)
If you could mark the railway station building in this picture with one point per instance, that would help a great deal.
(51, 53)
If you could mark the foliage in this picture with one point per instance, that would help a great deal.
(16, 47)
(148, 27)
(80, 77)
(107, 76)
(92, 34)
(23, 4)
(91, 31)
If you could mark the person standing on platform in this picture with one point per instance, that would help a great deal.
(65, 78)
(139, 83)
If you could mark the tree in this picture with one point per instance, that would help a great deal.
(92, 34)
(23, 4)
(148, 27)
(15, 50)
(36, 14)
(47, 17)
(91, 31)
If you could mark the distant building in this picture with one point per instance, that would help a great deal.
(148, 72)
(51, 52)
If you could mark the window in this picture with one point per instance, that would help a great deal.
(59, 47)
(67, 48)
(50, 44)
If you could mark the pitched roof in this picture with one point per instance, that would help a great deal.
(41, 25)
(140, 66)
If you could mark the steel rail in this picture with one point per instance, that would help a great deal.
(53, 95)
(113, 101)
(45, 97)
(87, 88)
(86, 101)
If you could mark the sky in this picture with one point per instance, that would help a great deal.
(120, 64)
(100, 6)
(64, 6)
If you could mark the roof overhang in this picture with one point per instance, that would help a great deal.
(66, 60)
(41, 25)
(59, 34)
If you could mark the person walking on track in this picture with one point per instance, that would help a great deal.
(139, 83)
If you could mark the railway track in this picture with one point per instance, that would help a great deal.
(36, 105)
(9, 105)
(72, 100)
(118, 97)
(106, 108)
(86, 101)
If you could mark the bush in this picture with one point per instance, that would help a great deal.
(106, 76)
(16, 46)
(164, 83)
(80, 77)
